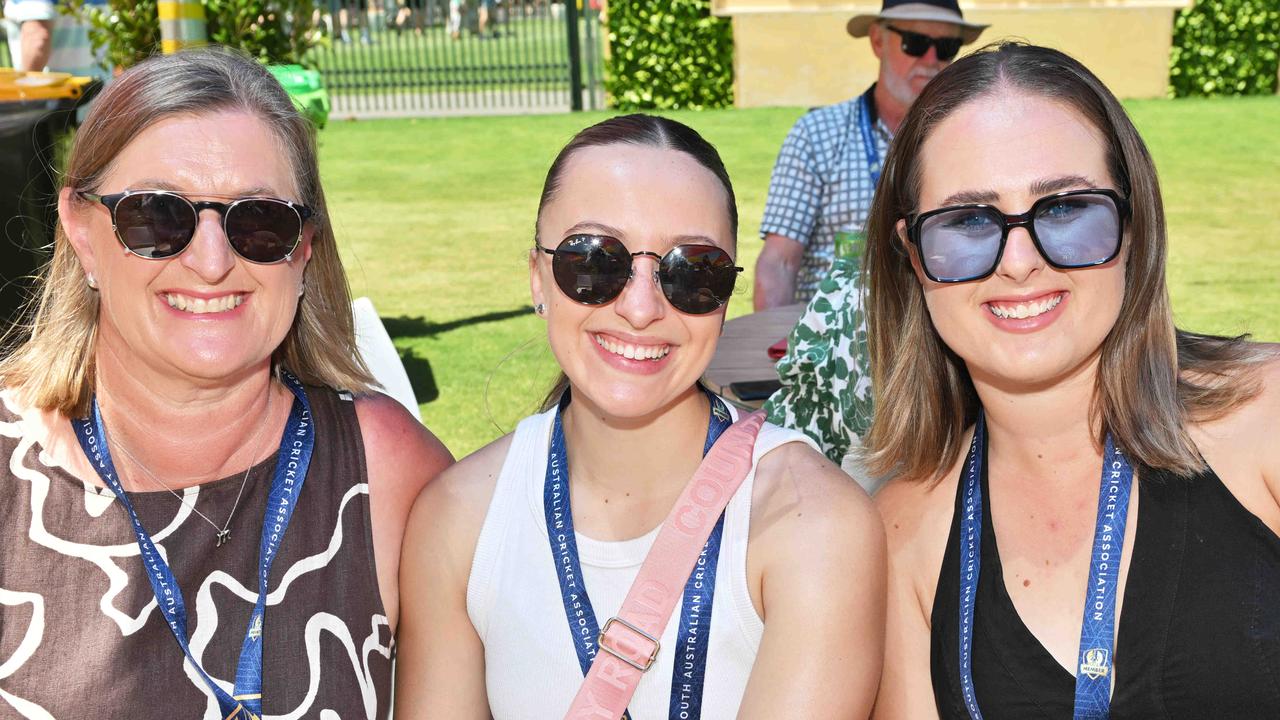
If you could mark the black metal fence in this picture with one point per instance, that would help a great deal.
(440, 57)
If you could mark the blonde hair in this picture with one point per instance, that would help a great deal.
(53, 367)
(1153, 379)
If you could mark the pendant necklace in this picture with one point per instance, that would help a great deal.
(221, 534)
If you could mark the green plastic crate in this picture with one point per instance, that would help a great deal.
(307, 90)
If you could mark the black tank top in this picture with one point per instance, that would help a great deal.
(1199, 631)
(79, 632)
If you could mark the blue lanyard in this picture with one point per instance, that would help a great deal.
(1097, 635)
(699, 591)
(291, 472)
(868, 138)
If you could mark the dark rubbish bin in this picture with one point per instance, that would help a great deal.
(36, 109)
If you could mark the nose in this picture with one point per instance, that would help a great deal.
(210, 256)
(642, 302)
(1020, 259)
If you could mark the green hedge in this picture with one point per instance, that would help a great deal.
(1225, 47)
(274, 31)
(668, 55)
(277, 31)
(128, 29)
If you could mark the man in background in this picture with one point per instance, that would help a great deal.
(814, 220)
(828, 166)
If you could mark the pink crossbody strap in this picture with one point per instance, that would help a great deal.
(629, 642)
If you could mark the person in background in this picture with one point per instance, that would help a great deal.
(353, 15)
(203, 497)
(35, 20)
(42, 36)
(632, 270)
(818, 202)
(1084, 512)
(827, 168)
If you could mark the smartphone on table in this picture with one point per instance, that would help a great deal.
(750, 390)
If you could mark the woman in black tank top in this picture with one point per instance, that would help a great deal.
(1083, 521)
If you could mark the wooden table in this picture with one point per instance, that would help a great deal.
(743, 352)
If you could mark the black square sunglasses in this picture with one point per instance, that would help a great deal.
(1071, 230)
(159, 224)
(594, 269)
(917, 44)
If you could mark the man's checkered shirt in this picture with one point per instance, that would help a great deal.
(821, 184)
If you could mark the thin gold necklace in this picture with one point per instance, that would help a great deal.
(221, 534)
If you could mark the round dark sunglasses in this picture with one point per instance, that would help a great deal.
(1071, 230)
(917, 44)
(594, 269)
(158, 224)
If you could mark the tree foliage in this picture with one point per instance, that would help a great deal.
(1225, 47)
(274, 31)
(668, 55)
(128, 29)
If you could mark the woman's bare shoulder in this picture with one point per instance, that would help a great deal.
(1250, 425)
(400, 451)
(1241, 445)
(463, 491)
(917, 515)
(445, 522)
(796, 484)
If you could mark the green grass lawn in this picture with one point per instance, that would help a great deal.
(435, 217)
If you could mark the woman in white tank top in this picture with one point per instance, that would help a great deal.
(504, 582)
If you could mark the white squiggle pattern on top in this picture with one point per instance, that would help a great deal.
(207, 623)
(103, 557)
(100, 555)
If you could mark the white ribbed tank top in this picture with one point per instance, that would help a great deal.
(513, 595)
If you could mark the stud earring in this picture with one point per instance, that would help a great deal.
(90, 281)
(540, 309)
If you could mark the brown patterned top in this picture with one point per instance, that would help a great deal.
(80, 635)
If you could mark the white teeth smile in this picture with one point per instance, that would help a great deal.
(201, 306)
(1025, 310)
(633, 352)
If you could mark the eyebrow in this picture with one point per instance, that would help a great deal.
(1043, 186)
(590, 226)
(158, 184)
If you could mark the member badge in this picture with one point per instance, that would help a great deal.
(1096, 663)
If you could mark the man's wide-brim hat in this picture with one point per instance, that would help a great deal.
(946, 11)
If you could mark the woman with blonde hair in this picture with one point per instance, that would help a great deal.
(1083, 519)
(205, 498)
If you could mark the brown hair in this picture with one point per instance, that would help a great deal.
(1153, 378)
(636, 129)
(54, 367)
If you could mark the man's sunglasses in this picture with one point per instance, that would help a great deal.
(594, 269)
(917, 44)
(158, 224)
(1073, 229)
